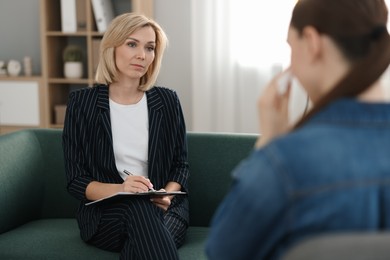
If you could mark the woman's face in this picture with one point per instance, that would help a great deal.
(135, 55)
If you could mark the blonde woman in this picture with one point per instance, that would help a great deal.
(126, 135)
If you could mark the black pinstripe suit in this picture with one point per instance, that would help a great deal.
(89, 156)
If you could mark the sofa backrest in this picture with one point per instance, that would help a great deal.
(57, 202)
(212, 157)
(20, 190)
(32, 166)
(32, 175)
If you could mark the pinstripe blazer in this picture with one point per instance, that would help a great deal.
(89, 154)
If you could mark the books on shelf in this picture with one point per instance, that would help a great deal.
(81, 15)
(103, 12)
(73, 16)
(68, 16)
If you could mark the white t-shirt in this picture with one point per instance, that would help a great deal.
(130, 134)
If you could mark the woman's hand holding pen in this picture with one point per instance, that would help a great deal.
(135, 183)
(141, 184)
(273, 109)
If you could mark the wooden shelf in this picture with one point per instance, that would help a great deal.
(62, 34)
(20, 78)
(68, 81)
(97, 34)
(5, 129)
(56, 126)
(53, 42)
(23, 97)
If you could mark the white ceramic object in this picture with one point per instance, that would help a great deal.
(73, 69)
(14, 67)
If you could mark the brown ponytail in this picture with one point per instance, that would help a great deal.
(358, 27)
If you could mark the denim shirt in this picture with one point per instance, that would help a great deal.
(331, 175)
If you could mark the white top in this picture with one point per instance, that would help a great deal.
(130, 135)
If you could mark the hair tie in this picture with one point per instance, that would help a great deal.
(378, 31)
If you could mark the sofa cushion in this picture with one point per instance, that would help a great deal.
(193, 248)
(61, 237)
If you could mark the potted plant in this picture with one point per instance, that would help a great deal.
(73, 66)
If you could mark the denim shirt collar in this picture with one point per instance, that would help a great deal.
(347, 110)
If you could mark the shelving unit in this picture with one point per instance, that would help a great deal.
(53, 42)
(22, 103)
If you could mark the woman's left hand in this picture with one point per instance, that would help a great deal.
(162, 202)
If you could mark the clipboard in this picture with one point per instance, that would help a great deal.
(131, 194)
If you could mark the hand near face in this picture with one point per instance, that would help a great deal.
(273, 111)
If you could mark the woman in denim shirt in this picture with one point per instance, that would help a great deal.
(331, 171)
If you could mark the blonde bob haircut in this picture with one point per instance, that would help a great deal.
(117, 32)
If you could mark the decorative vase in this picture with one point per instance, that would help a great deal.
(73, 69)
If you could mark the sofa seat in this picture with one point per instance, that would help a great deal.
(31, 241)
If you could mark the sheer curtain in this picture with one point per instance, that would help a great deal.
(237, 45)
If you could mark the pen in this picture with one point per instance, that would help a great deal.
(129, 173)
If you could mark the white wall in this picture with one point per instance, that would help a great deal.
(175, 18)
(20, 31)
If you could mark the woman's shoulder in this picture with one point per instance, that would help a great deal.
(163, 90)
(88, 92)
(88, 95)
(163, 93)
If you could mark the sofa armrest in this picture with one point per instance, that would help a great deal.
(352, 245)
(21, 187)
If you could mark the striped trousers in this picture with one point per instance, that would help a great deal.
(138, 229)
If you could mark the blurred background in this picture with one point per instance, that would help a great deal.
(221, 54)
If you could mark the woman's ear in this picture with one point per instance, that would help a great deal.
(313, 42)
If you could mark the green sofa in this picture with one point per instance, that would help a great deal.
(37, 215)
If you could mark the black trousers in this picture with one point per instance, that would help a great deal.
(138, 229)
